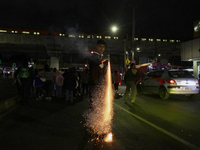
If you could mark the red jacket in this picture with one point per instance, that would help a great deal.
(118, 78)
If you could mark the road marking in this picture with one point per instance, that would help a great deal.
(160, 129)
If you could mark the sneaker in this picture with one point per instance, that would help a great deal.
(132, 101)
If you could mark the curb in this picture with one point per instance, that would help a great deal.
(7, 104)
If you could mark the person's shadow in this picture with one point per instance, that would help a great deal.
(134, 107)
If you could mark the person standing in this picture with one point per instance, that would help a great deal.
(59, 83)
(117, 80)
(85, 78)
(48, 75)
(23, 75)
(54, 71)
(97, 69)
(38, 85)
(69, 84)
(130, 81)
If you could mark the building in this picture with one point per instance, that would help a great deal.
(190, 50)
(64, 49)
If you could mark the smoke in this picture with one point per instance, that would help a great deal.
(76, 43)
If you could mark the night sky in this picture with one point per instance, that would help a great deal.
(153, 18)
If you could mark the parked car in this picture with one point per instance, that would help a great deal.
(167, 82)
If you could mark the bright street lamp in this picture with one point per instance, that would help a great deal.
(114, 29)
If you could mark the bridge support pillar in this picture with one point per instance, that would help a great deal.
(195, 69)
(54, 62)
(54, 58)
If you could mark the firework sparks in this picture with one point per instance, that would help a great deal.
(108, 138)
(100, 118)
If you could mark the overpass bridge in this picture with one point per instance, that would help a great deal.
(64, 49)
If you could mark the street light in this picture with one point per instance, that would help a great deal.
(114, 29)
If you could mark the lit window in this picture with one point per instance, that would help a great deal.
(177, 40)
(143, 39)
(171, 40)
(88, 36)
(151, 40)
(164, 40)
(158, 40)
(71, 35)
(3, 30)
(135, 39)
(98, 37)
(13, 31)
(159, 54)
(61, 34)
(107, 37)
(36, 33)
(25, 32)
(115, 37)
(81, 36)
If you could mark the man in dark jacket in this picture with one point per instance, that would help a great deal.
(97, 69)
(130, 81)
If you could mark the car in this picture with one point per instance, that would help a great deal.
(167, 82)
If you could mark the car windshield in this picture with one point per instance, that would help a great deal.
(180, 74)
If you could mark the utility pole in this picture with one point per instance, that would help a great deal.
(133, 36)
(125, 41)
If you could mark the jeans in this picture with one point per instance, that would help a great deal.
(130, 85)
(69, 93)
(116, 86)
(58, 91)
(39, 91)
(25, 90)
(48, 88)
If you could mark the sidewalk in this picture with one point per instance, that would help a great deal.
(8, 95)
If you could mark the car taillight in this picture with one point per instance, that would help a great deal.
(197, 82)
(170, 81)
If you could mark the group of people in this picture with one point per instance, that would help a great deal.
(47, 83)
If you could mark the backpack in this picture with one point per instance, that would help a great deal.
(24, 73)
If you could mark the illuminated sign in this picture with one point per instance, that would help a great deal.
(127, 61)
(197, 27)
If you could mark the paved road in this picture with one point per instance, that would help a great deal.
(150, 124)
(7, 89)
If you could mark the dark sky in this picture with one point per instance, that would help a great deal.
(153, 18)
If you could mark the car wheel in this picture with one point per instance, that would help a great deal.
(163, 93)
(192, 96)
(139, 90)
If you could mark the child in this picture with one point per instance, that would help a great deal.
(59, 83)
(38, 85)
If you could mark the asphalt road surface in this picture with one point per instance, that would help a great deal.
(149, 124)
